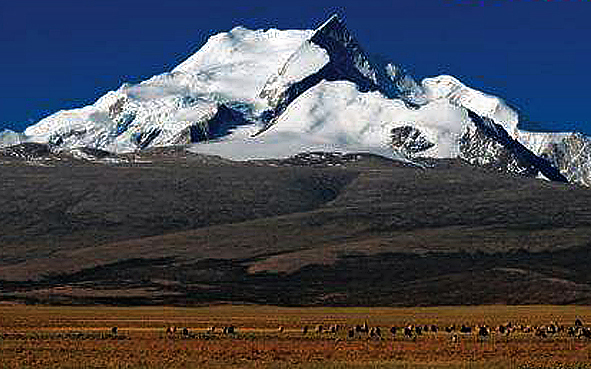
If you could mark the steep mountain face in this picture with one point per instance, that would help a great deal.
(331, 54)
(569, 152)
(478, 148)
(267, 94)
(521, 159)
(571, 156)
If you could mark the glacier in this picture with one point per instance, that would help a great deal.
(261, 94)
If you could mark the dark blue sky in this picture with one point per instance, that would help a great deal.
(535, 54)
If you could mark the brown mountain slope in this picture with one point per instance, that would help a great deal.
(367, 231)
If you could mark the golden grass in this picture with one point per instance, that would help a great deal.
(79, 337)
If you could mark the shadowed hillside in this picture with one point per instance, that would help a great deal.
(315, 229)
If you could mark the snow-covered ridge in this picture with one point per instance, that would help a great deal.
(230, 70)
(451, 89)
(330, 54)
(271, 94)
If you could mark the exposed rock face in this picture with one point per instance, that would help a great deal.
(409, 141)
(516, 157)
(572, 156)
(485, 143)
(479, 149)
(411, 92)
(26, 151)
(220, 125)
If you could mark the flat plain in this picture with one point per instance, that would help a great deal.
(273, 337)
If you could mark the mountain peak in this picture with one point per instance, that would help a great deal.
(331, 54)
(311, 90)
(346, 53)
(333, 21)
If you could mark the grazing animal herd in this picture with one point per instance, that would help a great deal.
(171, 331)
(364, 331)
(578, 330)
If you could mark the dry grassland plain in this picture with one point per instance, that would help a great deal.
(82, 337)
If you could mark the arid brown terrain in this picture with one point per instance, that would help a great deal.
(303, 338)
(171, 227)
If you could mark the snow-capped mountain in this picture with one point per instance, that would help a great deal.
(267, 94)
(10, 138)
(177, 107)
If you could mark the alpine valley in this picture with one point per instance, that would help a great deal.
(290, 167)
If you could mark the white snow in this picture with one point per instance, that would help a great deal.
(448, 87)
(537, 142)
(230, 67)
(307, 60)
(237, 64)
(250, 70)
(235, 67)
(335, 115)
